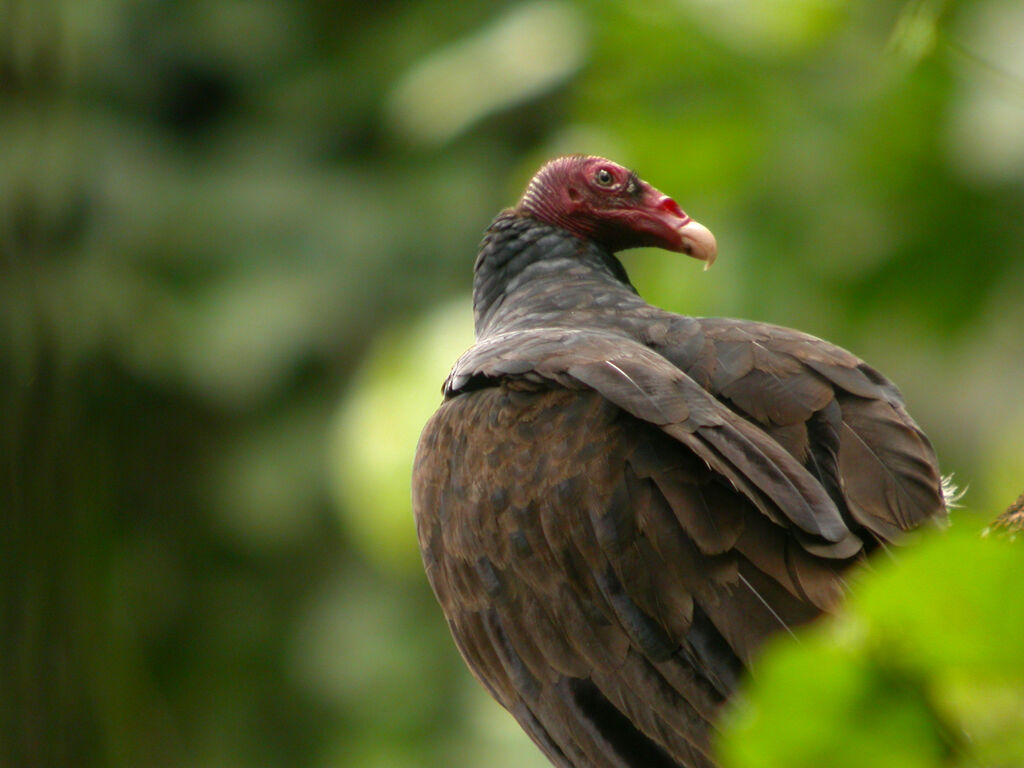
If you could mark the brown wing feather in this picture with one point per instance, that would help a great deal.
(840, 418)
(648, 386)
(588, 575)
(887, 468)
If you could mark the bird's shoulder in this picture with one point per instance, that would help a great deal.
(840, 417)
(813, 435)
(648, 386)
(720, 352)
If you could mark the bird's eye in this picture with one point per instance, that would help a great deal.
(604, 177)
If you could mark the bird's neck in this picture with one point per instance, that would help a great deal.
(527, 269)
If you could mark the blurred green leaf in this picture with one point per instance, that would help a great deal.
(218, 219)
(378, 426)
(923, 667)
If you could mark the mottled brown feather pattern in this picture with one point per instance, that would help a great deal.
(569, 573)
(607, 534)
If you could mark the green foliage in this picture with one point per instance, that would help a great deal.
(231, 233)
(923, 667)
(396, 387)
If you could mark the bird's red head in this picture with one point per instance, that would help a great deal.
(599, 200)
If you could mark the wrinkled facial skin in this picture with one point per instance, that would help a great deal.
(599, 200)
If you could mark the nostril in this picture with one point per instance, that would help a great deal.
(670, 205)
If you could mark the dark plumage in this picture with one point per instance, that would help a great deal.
(616, 505)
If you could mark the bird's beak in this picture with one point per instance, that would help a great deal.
(687, 236)
(697, 241)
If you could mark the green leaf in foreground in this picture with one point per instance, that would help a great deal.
(923, 667)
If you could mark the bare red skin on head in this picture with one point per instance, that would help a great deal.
(599, 200)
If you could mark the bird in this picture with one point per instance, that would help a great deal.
(616, 505)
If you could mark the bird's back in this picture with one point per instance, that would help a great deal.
(566, 579)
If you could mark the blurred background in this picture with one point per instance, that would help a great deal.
(236, 242)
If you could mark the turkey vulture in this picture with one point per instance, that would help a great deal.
(616, 504)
